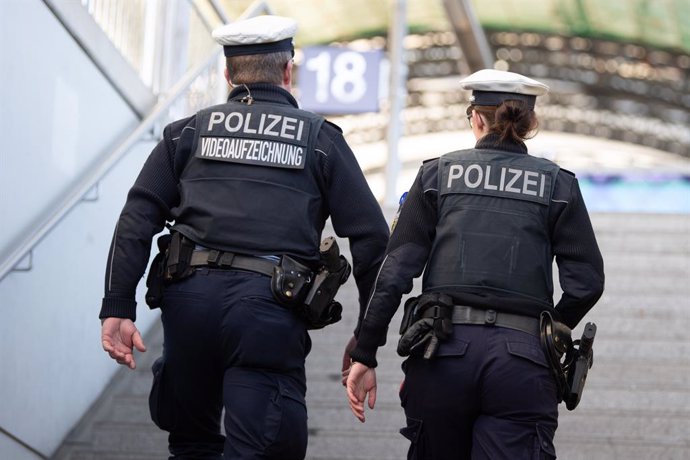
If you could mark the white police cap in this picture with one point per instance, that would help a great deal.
(492, 87)
(257, 35)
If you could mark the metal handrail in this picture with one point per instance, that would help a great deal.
(96, 173)
(89, 179)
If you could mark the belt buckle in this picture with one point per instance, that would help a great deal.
(490, 317)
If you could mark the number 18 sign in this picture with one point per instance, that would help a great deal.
(335, 80)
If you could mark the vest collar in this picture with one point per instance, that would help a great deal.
(264, 92)
(491, 142)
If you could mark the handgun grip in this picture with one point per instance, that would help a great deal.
(330, 252)
(587, 338)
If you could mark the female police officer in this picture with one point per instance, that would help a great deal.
(486, 223)
(248, 183)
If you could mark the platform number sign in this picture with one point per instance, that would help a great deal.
(336, 80)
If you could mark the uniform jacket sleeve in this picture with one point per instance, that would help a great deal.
(144, 215)
(405, 259)
(354, 211)
(574, 245)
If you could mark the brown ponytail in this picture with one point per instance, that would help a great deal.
(512, 120)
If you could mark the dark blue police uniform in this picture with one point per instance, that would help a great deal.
(484, 226)
(257, 177)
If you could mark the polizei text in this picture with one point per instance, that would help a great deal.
(499, 180)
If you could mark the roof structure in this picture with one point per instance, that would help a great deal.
(658, 23)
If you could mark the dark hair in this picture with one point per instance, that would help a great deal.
(258, 68)
(512, 120)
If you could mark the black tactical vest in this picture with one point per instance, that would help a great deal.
(492, 234)
(251, 184)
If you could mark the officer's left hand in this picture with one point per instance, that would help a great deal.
(360, 383)
(119, 337)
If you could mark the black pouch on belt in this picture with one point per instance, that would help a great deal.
(179, 257)
(428, 321)
(155, 281)
(409, 311)
(290, 282)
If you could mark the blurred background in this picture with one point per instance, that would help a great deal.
(86, 87)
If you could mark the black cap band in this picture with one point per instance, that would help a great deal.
(497, 98)
(260, 48)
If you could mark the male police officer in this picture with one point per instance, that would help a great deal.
(485, 225)
(249, 185)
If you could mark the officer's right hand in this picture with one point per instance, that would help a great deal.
(347, 362)
(119, 337)
(360, 382)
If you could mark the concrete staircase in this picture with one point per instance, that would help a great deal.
(636, 405)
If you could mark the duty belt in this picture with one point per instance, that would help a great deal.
(470, 315)
(228, 260)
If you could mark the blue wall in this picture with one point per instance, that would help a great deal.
(59, 115)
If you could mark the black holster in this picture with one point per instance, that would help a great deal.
(576, 374)
(311, 294)
(427, 320)
(569, 360)
(320, 306)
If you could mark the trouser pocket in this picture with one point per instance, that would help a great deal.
(414, 432)
(543, 444)
(161, 404)
(265, 417)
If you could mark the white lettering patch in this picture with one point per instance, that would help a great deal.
(494, 179)
(251, 151)
(254, 123)
(264, 136)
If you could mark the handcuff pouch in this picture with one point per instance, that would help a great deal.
(290, 282)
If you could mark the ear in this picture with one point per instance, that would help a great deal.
(287, 74)
(478, 120)
(226, 72)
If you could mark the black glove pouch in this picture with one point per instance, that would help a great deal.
(427, 320)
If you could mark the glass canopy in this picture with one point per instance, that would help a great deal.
(657, 23)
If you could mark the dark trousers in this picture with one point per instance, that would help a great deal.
(228, 345)
(488, 394)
